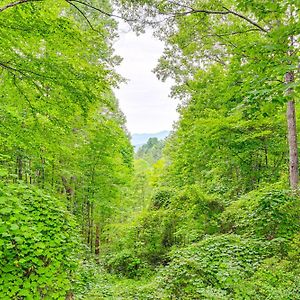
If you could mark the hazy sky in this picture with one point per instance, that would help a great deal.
(144, 99)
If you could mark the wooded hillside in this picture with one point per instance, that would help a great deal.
(211, 212)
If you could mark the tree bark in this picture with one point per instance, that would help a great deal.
(292, 136)
(92, 226)
(88, 212)
(20, 167)
(97, 240)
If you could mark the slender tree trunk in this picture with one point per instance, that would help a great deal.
(293, 148)
(20, 167)
(266, 155)
(92, 226)
(88, 222)
(30, 172)
(26, 172)
(52, 175)
(97, 240)
(292, 135)
(43, 175)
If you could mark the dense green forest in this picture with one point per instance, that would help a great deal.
(212, 212)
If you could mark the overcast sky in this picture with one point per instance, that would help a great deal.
(144, 99)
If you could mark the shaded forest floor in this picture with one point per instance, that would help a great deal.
(108, 286)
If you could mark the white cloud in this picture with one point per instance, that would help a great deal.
(144, 99)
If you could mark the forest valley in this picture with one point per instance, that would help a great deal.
(212, 212)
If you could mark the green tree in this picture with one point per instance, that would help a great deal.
(151, 151)
(260, 38)
(62, 139)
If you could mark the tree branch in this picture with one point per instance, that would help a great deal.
(13, 71)
(85, 17)
(99, 10)
(233, 32)
(9, 68)
(24, 72)
(246, 19)
(24, 95)
(91, 6)
(227, 11)
(205, 11)
(12, 4)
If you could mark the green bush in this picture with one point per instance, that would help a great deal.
(276, 279)
(125, 263)
(162, 197)
(37, 244)
(256, 258)
(155, 235)
(196, 214)
(212, 268)
(113, 287)
(269, 214)
(146, 239)
(178, 219)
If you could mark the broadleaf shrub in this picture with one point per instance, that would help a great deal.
(212, 268)
(162, 197)
(38, 240)
(269, 214)
(275, 279)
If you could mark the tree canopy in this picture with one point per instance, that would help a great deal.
(212, 212)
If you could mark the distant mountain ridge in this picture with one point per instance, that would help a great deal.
(139, 139)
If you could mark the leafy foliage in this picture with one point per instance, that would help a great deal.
(207, 217)
(39, 245)
(151, 151)
(64, 151)
(265, 214)
(211, 267)
(221, 222)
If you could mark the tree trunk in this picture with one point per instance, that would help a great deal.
(97, 240)
(88, 222)
(293, 147)
(20, 167)
(92, 226)
(292, 134)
